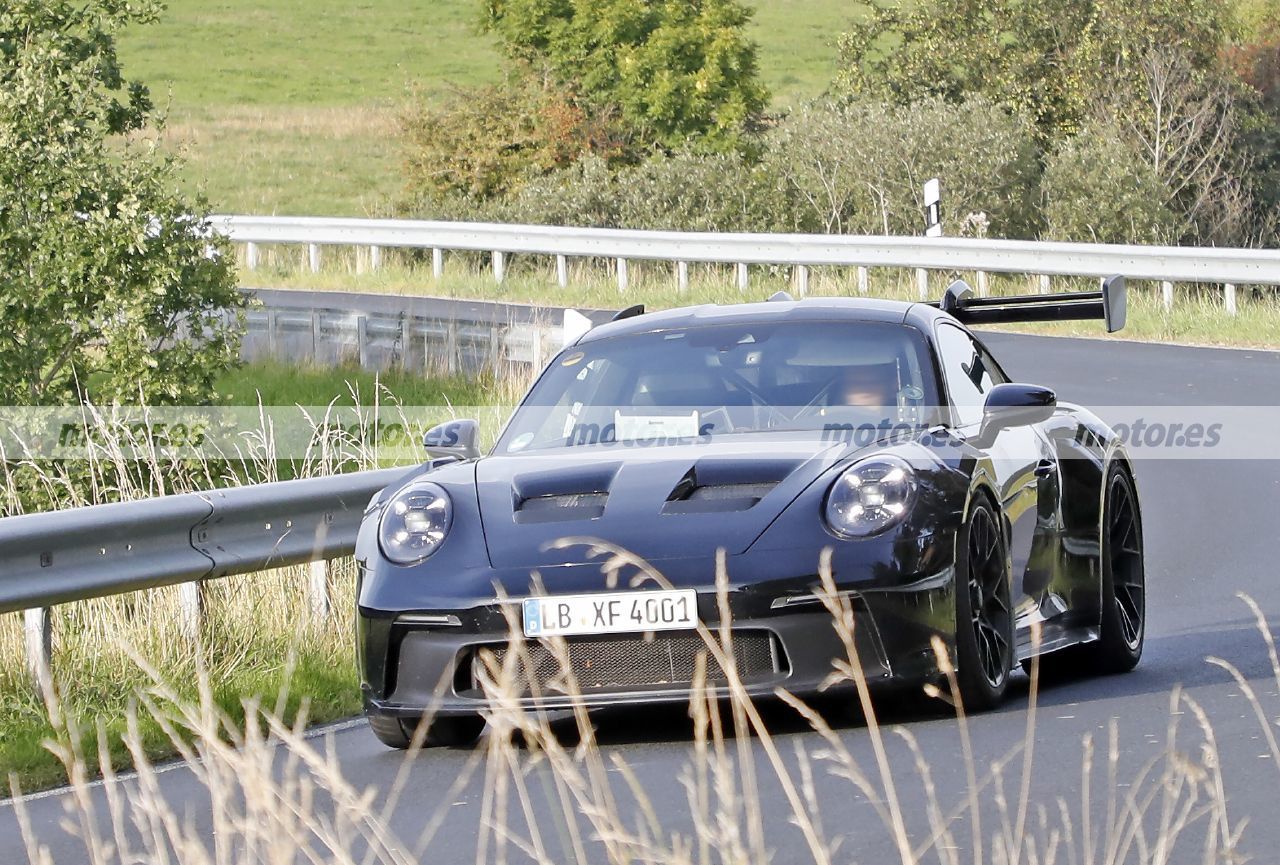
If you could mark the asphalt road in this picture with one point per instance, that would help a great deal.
(1211, 531)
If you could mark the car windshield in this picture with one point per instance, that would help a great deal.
(707, 381)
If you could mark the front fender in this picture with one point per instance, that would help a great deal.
(920, 546)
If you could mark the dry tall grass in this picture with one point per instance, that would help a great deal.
(278, 797)
(255, 630)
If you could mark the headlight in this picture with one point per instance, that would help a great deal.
(870, 496)
(414, 523)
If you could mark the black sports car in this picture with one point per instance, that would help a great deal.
(954, 502)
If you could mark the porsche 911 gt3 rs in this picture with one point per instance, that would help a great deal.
(954, 503)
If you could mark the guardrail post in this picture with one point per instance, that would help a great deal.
(499, 266)
(406, 340)
(682, 276)
(1166, 293)
(1229, 298)
(313, 256)
(984, 287)
(623, 282)
(362, 340)
(864, 279)
(315, 337)
(1045, 287)
(451, 346)
(562, 271)
(251, 255)
(375, 257)
(495, 346)
(272, 322)
(537, 348)
(922, 282)
(191, 610)
(742, 277)
(319, 598)
(437, 263)
(802, 280)
(37, 626)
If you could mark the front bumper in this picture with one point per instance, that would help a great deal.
(431, 660)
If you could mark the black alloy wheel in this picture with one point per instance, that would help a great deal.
(1122, 592)
(1124, 580)
(984, 614)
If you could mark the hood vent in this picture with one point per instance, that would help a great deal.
(571, 506)
(724, 486)
(574, 494)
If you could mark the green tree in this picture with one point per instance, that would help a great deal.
(679, 73)
(1046, 60)
(111, 283)
(1257, 61)
(1098, 189)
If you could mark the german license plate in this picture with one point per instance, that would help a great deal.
(611, 613)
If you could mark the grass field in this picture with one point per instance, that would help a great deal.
(290, 106)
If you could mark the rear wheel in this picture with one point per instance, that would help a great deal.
(984, 615)
(450, 732)
(1124, 581)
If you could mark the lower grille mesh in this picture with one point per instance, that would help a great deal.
(613, 662)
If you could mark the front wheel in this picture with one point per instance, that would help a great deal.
(984, 615)
(450, 732)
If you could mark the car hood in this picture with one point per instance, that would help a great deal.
(659, 502)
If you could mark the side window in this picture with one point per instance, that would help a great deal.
(969, 371)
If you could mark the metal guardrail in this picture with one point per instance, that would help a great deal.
(61, 556)
(383, 331)
(1165, 264)
(70, 555)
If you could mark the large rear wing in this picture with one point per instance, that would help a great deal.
(1107, 304)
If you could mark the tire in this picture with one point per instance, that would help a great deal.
(450, 732)
(1124, 583)
(1123, 593)
(984, 614)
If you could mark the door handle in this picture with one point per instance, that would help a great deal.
(1046, 468)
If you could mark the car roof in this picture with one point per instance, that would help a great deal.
(809, 309)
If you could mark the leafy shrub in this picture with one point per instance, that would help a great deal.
(683, 192)
(486, 142)
(1098, 189)
(859, 168)
(584, 194)
(827, 168)
(704, 192)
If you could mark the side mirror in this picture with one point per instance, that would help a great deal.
(455, 438)
(1012, 405)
